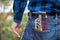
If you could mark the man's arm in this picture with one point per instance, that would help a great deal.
(18, 8)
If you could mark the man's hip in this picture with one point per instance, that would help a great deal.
(51, 33)
(52, 19)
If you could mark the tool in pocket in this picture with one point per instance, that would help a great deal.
(38, 21)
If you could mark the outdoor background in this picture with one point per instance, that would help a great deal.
(6, 19)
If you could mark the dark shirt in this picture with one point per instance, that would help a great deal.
(34, 5)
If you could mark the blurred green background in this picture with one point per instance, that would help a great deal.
(6, 19)
(5, 26)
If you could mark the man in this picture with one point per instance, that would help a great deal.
(52, 9)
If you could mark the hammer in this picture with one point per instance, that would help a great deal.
(40, 20)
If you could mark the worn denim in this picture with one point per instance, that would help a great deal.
(52, 32)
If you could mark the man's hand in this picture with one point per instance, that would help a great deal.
(14, 26)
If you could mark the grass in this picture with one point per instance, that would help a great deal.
(7, 28)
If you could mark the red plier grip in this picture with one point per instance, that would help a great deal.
(45, 22)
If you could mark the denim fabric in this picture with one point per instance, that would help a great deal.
(52, 32)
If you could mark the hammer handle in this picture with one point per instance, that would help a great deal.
(40, 22)
(40, 19)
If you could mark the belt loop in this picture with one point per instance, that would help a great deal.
(30, 14)
(56, 16)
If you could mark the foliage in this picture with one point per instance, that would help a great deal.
(5, 2)
(6, 24)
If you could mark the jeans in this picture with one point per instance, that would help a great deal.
(52, 32)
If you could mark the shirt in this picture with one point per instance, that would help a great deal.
(34, 5)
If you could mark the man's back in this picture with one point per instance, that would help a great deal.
(48, 6)
(44, 5)
(35, 5)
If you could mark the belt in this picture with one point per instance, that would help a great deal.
(49, 14)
